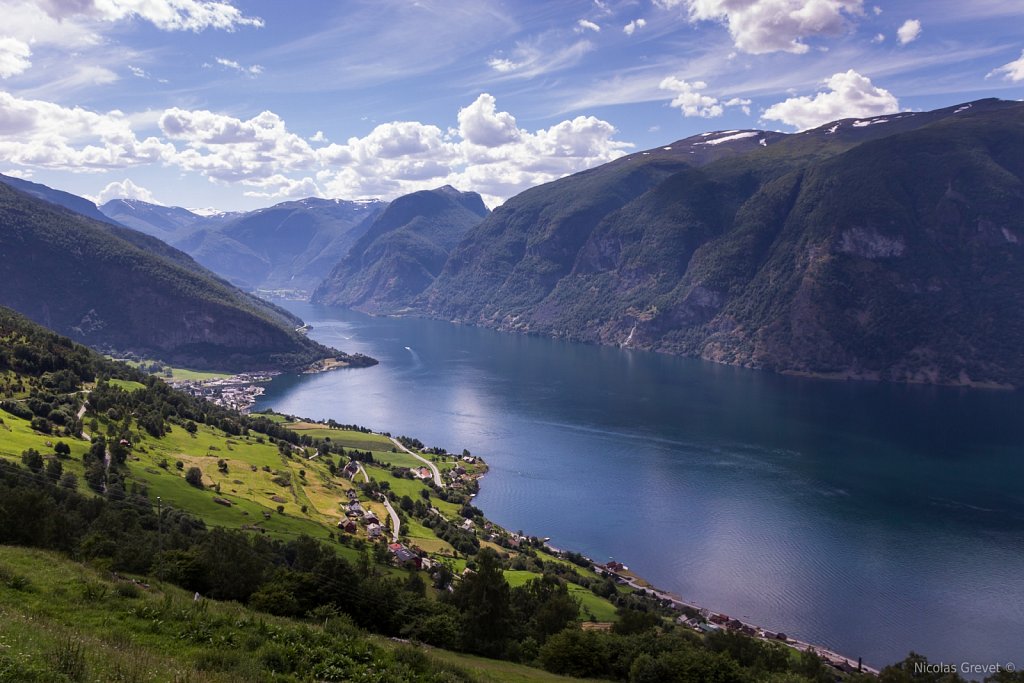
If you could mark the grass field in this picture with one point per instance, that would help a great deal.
(253, 476)
(61, 620)
(127, 385)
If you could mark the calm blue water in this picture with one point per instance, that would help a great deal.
(871, 519)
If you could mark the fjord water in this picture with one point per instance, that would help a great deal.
(873, 519)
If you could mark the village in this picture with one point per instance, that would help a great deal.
(238, 392)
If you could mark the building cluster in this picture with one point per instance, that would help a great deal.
(238, 392)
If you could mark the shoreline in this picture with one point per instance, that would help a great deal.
(714, 620)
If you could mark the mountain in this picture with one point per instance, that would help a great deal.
(881, 248)
(165, 222)
(94, 282)
(70, 201)
(290, 246)
(403, 250)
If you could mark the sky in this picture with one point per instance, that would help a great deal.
(238, 105)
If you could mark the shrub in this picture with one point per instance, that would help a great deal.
(194, 476)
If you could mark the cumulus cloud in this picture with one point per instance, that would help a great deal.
(227, 148)
(1012, 71)
(481, 124)
(692, 102)
(282, 187)
(43, 134)
(167, 15)
(848, 95)
(909, 31)
(125, 189)
(630, 28)
(587, 25)
(254, 70)
(762, 26)
(14, 57)
(487, 151)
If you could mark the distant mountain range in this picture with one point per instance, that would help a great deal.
(289, 246)
(884, 248)
(403, 250)
(881, 248)
(114, 288)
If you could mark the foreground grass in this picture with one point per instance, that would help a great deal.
(64, 621)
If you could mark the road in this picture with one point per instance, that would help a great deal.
(396, 523)
(81, 413)
(432, 466)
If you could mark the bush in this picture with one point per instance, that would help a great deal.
(194, 476)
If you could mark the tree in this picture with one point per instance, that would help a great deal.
(54, 469)
(483, 599)
(69, 481)
(32, 460)
(194, 476)
(62, 449)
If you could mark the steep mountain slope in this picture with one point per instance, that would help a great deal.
(403, 250)
(83, 279)
(59, 197)
(292, 245)
(882, 248)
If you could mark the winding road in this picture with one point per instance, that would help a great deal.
(432, 466)
(396, 523)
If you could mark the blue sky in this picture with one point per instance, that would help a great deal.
(236, 105)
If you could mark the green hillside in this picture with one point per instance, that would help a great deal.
(117, 470)
(885, 249)
(84, 279)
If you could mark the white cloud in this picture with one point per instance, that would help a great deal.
(1012, 71)
(762, 26)
(879, 38)
(480, 124)
(318, 137)
(587, 25)
(486, 152)
(14, 57)
(227, 148)
(282, 187)
(254, 70)
(125, 189)
(692, 102)
(536, 57)
(849, 95)
(167, 15)
(909, 31)
(37, 133)
(630, 28)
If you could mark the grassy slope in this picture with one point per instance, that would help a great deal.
(57, 615)
(255, 495)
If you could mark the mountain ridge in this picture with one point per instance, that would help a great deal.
(719, 251)
(94, 283)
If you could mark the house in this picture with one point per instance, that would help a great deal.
(374, 530)
(352, 495)
(348, 526)
(403, 556)
(467, 525)
(370, 518)
(471, 459)
(351, 469)
(423, 473)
